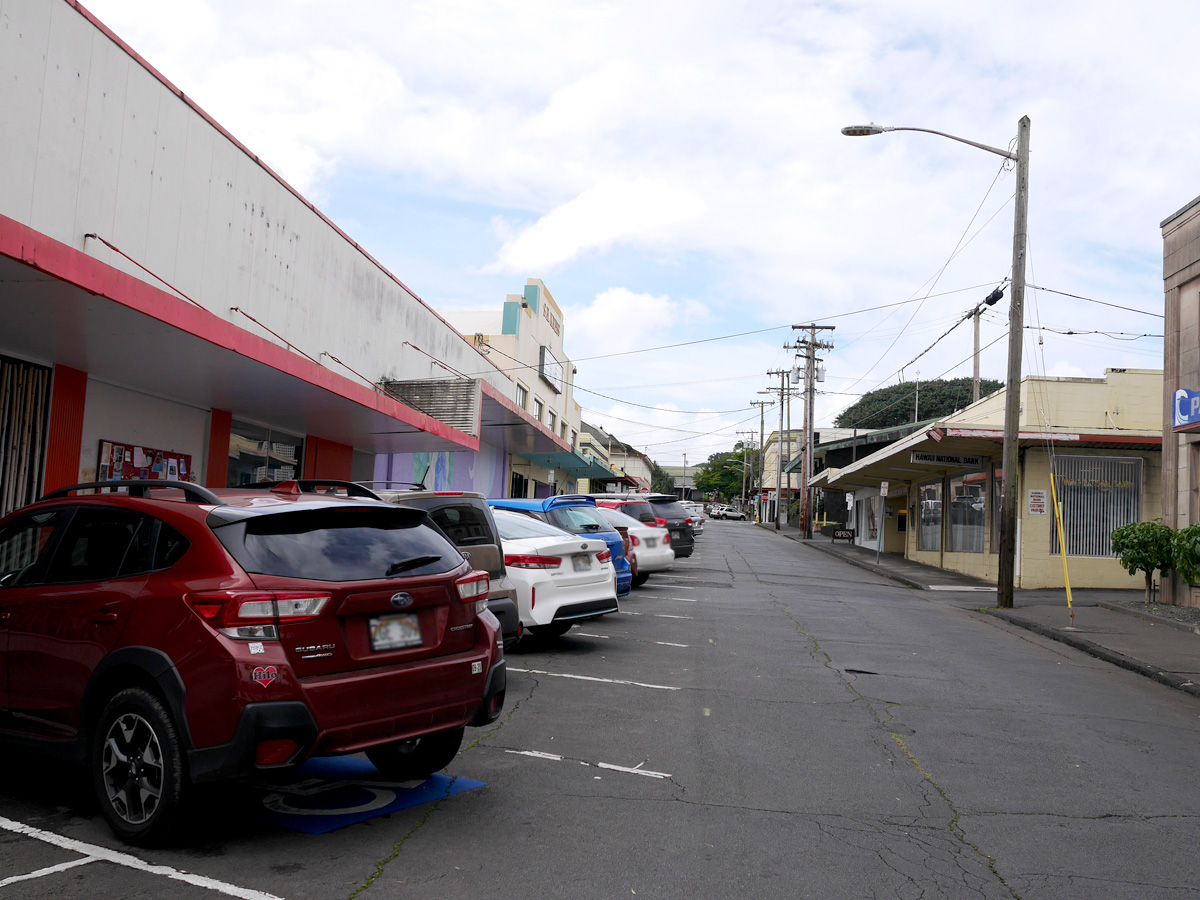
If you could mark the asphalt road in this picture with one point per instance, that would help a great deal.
(764, 722)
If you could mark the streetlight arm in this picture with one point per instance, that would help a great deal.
(860, 130)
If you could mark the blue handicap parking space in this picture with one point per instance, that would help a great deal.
(332, 792)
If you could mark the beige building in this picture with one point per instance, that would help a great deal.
(790, 482)
(1181, 383)
(1102, 438)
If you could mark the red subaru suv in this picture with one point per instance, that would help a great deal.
(168, 635)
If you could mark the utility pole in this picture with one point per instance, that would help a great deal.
(975, 368)
(917, 399)
(762, 462)
(782, 373)
(810, 346)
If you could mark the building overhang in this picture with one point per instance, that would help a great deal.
(524, 434)
(60, 306)
(572, 464)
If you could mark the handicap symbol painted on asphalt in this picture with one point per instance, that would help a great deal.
(333, 792)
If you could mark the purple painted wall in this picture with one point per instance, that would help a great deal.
(485, 471)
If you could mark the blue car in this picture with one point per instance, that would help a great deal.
(577, 514)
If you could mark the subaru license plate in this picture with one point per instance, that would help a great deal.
(394, 632)
(583, 562)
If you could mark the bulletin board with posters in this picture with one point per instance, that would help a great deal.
(123, 462)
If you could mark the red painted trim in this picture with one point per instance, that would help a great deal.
(61, 261)
(511, 405)
(219, 428)
(136, 57)
(64, 437)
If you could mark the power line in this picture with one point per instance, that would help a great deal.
(1101, 302)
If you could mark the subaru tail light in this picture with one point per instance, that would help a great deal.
(473, 588)
(255, 615)
(604, 556)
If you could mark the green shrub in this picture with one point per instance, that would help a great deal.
(1146, 546)
(1185, 547)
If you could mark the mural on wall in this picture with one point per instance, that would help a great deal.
(484, 471)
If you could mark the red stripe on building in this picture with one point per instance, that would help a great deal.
(219, 428)
(64, 438)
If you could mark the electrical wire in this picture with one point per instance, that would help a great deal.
(1034, 287)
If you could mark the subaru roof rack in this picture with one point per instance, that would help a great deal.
(138, 487)
(310, 486)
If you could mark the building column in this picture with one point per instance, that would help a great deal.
(220, 426)
(327, 459)
(64, 436)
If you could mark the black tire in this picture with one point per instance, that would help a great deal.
(640, 578)
(418, 758)
(137, 756)
(554, 629)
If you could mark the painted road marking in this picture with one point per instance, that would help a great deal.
(683, 599)
(636, 770)
(674, 587)
(97, 853)
(49, 870)
(657, 687)
(586, 634)
(669, 644)
(665, 616)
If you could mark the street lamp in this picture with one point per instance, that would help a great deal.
(1016, 320)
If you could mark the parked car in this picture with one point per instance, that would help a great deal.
(667, 511)
(466, 519)
(577, 514)
(723, 511)
(651, 544)
(696, 515)
(168, 635)
(560, 578)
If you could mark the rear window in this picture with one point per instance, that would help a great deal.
(514, 527)
(616, 517)
(464, 524)
(578, 519)
(640, 510)
(670, 509)
(352, 544)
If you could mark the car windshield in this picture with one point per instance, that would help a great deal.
(348, 544)
(619, 518)
(578, 519)
(514, 527)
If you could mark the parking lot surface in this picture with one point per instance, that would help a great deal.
(763, 721)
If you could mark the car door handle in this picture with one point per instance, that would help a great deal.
(102, 618)
(5, 616)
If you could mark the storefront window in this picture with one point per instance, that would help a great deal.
(967, 523)
(1097, 494)
(929, 535)
(258, 453)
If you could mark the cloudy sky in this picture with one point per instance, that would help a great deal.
(675, 172)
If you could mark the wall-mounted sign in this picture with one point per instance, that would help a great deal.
(550, 369)
(1037, 502)
(122, 462)
(551, 318)
(883, 488)
(1187, 409)
(947, 459)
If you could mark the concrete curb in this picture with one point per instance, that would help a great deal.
(1170, 679)
(1149, 617)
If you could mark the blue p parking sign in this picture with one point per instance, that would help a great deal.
(1187, 409)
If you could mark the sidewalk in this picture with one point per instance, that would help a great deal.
(1159, 642)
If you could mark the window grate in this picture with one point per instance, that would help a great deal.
(1097, 494)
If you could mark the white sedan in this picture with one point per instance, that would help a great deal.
(561, 578)
(651, 545)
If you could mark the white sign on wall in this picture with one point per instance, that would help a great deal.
(1038, 502)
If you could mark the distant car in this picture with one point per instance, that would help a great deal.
(651, 544)
(577, 514)
(561, 578)
(466, 519)
(667, 511)
(723, 511)
(174, 635)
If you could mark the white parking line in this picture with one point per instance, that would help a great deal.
(586, 634)
(657, 687)
(669, 644)
(674, 587)
(665, 616)
(49, 870)
(95, 852)
(683, 599)
(636, 770)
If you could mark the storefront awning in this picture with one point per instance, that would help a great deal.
(573, 465)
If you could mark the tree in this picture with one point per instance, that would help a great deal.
(893, 405)
(1146, 546)
(721, 474)
(661, 481)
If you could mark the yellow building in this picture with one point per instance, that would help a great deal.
(936, 492)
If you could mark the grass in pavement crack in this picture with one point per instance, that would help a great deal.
(956, 815)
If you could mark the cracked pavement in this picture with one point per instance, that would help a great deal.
(833, 735)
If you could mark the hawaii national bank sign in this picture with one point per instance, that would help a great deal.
(1187, 410)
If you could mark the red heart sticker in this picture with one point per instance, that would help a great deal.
(264, 675)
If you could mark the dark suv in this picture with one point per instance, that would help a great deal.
(168, 635)
(657, 509)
